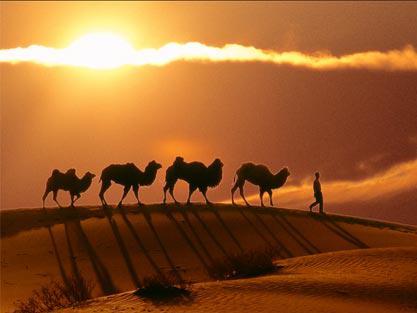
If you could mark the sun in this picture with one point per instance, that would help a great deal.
(101, 50)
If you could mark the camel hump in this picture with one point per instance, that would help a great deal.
(71, 172)
(178, 161)
(245, 167)
(55, 172)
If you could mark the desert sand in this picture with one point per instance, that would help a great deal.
(330, 263)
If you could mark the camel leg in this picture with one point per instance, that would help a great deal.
(125, 191)
(135, 191)
(55, 193)
(261, 195)
(235, 186)
(105, 184)
(204, 192)
(171, 192)
(242, 195)
(191, 189)
(78, 196)
(270, 197)
(47, 191)
(72, 199)
(164, 201)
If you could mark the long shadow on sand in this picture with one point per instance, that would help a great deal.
(64, 275)
(187, 239)
(214, 210)
(122, 246)
(257, 231)
(72, 257)
(209, 232)
(295, 234)
(140, 243)
(328, 222)
(174, 271)
(101, 272)
(183, 212)
(281, 246)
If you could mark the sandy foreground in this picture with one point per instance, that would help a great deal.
(371, 280)
(331, 263)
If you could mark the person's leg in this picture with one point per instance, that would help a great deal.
(321, 203)
(313, 205)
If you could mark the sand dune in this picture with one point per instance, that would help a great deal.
(118, 252)
(371, 280)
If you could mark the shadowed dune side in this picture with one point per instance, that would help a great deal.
(118, 249)
(371, 280)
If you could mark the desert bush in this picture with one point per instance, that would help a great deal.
(56, 295)
(163, 288)
(245, 264)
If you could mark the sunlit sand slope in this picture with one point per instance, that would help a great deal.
(118, 251)
(372, 280)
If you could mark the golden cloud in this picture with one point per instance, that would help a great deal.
(109, 52)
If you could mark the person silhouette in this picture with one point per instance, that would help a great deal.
(317, 194)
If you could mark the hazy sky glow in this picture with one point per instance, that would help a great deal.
(308, 85)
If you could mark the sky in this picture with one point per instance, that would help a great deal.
(308, 85)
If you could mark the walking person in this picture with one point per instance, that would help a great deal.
(317, 194)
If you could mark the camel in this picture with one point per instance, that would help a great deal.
(67, 181)
(129, 176)
(261, 176)
(196, 174)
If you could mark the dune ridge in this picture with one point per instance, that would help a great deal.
(118, 251)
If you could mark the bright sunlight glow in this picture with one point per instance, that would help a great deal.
(100, 51)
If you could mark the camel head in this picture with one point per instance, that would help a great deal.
(153, 165)
(89, 176)
(281, 177)
(217, 163)
(285, 172)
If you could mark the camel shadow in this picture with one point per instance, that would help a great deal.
(102, 275)
(174, 271)
(194, 211)
(122, 246)
(64, 275)
(295, 234)
(101, 272)
(183, 212)
(140, 243)
(226, 228)
(281, 246)
(253, 226)
(187, 239)
(331, 225)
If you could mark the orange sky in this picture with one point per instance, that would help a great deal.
(351, 124)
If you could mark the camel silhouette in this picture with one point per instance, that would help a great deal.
(129, 176)
(67, 181)
(261, 176)
(196, 174)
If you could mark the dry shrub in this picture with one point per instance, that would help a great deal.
(56, 295)
(163, 288)
(245, 264)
